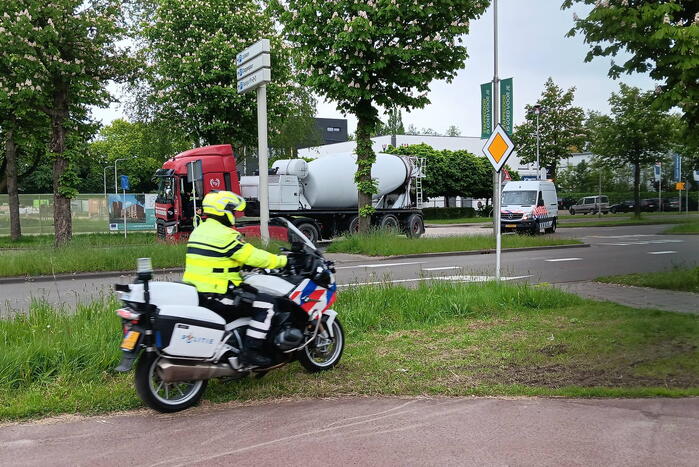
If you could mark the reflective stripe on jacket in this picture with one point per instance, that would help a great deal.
(215, 254)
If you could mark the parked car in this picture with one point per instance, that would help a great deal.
(625, 206)
(590, 204)
(653, 204)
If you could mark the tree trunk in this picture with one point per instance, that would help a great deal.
(365, 160)
(11, 176)
(446, 201)
(637, 190)
(62, 222)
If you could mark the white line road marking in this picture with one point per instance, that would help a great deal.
(648, 242)
(621, 236)
(563, 259)
(444, 278)
(385, 265)
(441, 269)
(668, 252)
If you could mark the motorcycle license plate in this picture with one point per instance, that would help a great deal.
(130, 340)
(510, 226)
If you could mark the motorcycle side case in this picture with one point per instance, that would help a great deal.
(188, 331)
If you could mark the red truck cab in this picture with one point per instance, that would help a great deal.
(174, 206)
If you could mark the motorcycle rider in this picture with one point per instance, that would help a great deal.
(215, 254)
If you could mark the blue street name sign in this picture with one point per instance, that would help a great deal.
(124, 182)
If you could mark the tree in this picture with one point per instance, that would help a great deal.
(378, 52)
(191, 82)
(453, 130)
(393, 126)
(662, 38)
(635, 133)
(68, 48)
(145, 145)
(561, 127)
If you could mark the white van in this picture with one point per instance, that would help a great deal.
(530, 206)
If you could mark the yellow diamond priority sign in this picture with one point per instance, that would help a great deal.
(498, 148)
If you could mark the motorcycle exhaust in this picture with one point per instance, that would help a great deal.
(171, 372)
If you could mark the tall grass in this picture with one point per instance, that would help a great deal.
(378, 243)
(96, 253)
(384, 308)
(688, 228)
(682, 279)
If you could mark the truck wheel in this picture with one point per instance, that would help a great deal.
(414, 227)
(389, 222)
(310, 231)
(353, 226)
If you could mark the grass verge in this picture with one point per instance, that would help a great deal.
(682, 279)
(460, 220)
(379, 243)
(437, 339)
(94, 252)
(93, 240)
(626, 221)
(688, 228)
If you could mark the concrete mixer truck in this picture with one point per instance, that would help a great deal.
(319, 197)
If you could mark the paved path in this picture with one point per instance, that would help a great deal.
(367, 431)
(637, 297)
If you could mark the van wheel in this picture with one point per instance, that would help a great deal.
(552, 229)
(535, 229)
(571, 211)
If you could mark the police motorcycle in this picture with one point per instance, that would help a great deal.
(182, 345)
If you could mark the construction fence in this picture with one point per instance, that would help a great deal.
(90, 212)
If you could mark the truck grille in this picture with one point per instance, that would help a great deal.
(510, 216)
(161, 230)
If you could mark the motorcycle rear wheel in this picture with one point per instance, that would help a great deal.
(161, 396)
(325, 352)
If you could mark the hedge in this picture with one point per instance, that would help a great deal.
(617, 197)
(448, 213)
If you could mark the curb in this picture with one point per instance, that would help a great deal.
(441, 226)
(485, 252)
(80, 275)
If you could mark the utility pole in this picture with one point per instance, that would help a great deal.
(263, 191)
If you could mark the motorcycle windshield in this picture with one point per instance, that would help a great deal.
(296, 231)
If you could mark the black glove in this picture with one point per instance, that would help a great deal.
(294, 262)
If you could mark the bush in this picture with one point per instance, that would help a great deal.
(448, 213)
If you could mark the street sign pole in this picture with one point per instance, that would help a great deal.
(497, 179)
(263, 192)
(254, 72)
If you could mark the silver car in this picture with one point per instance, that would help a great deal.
(590, 204)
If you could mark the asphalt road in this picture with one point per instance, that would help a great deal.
(366, 431)
(614, 250)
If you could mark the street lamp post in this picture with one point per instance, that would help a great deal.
(104, 175)
(537, 109)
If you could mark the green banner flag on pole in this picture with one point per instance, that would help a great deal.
(506, 105)
(486, 110)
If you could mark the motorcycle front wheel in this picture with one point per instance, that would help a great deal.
(161, 396)
(325, 351)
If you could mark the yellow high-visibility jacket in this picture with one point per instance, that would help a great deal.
(215, 254)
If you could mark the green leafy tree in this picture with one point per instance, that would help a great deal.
(377, 53)
(636, 133)
(561, 125)
(451, 173)
(662, 38)
(393, 125)
(67, 48)
(145, 146)
(191, 81)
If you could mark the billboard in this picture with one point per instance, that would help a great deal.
(139, 211)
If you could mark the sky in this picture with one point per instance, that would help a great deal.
(532, 47)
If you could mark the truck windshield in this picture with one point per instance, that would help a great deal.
(520, 198)
(166, 190)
